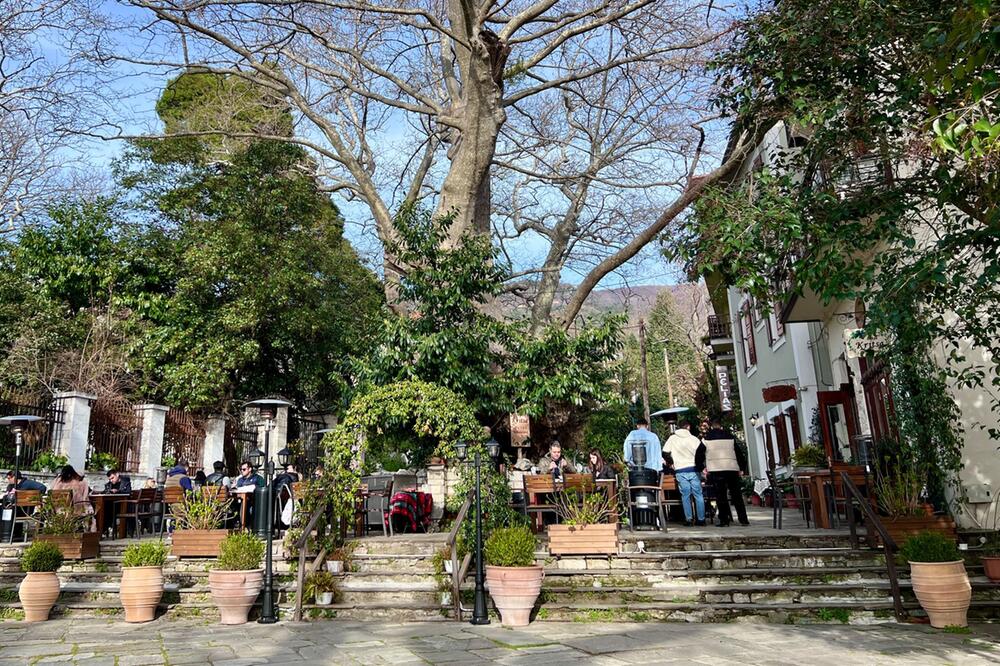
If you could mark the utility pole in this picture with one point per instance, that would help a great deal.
(645, 374)
(666, 367)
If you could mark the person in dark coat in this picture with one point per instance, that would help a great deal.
(117, 482)
(726, 464)
(23, 483)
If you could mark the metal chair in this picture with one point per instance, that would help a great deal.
(23, 501)
(803, 496)
(777, 499)
(657, 503)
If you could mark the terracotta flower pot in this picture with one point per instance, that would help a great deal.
(991, 565)
(141, 591)
(235, 592)
(943, 590)
(514, 591)
(38, 593)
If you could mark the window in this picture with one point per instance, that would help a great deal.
(781, 434)
(770, 332)
(746, 331)
(875, 379)
(779, 328)
(793, 422)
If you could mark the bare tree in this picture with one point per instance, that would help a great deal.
(43, 85)
(409, 101)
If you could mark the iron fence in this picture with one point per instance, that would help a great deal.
(39, 437)
(184, 438)
(241, 439)
(115, 431)
(303, 429)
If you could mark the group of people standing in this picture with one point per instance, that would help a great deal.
(714, 458)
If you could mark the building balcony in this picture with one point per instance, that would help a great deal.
(720, 336)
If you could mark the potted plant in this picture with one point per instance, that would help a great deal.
(236, 578)
(49, 462)
(60, 524)
(142, 580)
(991, 557)
(338, 558)
(198, 520)
(321, 586)
(40, 588)
(809, 456)
(898, 490)
(940, 582)
(512, 575)
(102, 462)
(585, 528)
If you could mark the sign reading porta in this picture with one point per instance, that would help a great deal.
(779, 393)
(725, 388)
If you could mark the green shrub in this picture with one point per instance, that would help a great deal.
(930, 547)
(50, 461)
(200, 511)
(240, 551)
(809, 455)
(145, 554)
(41, 556)
(510, 547)
(58, 517)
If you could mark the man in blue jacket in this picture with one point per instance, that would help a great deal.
(643, 436)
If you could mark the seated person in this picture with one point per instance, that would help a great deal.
(286, 478)
(555, 461)
(117, 482)
(219, 477)
(248, 479)
(601, 470)
(178, 476)
(23, 483)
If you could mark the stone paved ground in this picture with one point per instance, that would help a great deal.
(113, 643)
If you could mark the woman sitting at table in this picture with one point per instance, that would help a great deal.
(601, 470)
(69, 479)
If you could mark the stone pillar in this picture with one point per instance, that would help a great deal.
(75, 432)
(279, 436)
(437, 485)
(154, 419)
(215, 442)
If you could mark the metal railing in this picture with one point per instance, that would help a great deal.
(115, 429)
(458, 573)
(38, 437)
(889, 546)
(719, 328)
(184, 438)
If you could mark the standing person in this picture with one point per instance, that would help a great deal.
(643, 435)
(726, 464)
(555, 463)
(688, 454)
(218, 477)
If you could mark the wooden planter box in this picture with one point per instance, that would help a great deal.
(197, 543)
(900, 529)
(81, 546)
(583, 539)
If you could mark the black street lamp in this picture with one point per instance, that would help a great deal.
(268, 410)
(17, 424)
(480, 614)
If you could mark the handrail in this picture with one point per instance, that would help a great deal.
(888, 544)
(458, 573)
(301, 545)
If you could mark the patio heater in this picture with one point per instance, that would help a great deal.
(640, 475)
(268, 410)
(480, 615)
(17, 425)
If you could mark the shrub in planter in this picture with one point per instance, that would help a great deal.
(809, 455)
(512, 575)
(198, 520)
(59, 523)
(585, 529)
(236, 578)
(321, 586)
(991, 558)
(40, 588)
(939, 579)
(142, 580)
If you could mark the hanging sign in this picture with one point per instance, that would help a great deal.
(725, 389)
(520, 429)
(779, 393)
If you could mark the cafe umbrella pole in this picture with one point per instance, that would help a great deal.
(268, 411)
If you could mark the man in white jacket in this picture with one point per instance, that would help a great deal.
(688, 454)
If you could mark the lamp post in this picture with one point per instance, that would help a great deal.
(480, 615)
(268, 410)
(17, 424)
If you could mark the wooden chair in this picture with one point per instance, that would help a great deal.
(669, 493)
(137, 507)
(171, 495)
(803, 496)
(61, 498)
(26, 502)
(536, 487)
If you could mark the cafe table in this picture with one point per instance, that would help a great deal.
(102, 502)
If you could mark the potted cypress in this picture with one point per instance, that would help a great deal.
(236, 578)
(512, 575)
(585, 527)
(142, 580)
(321, 586)
(940, 582)
(40, 588)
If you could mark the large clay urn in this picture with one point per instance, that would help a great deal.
(943, 590)
(514, 591)
(235, 592)
(141, 591)
(38, 593)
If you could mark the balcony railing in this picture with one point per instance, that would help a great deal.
(719, 328)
